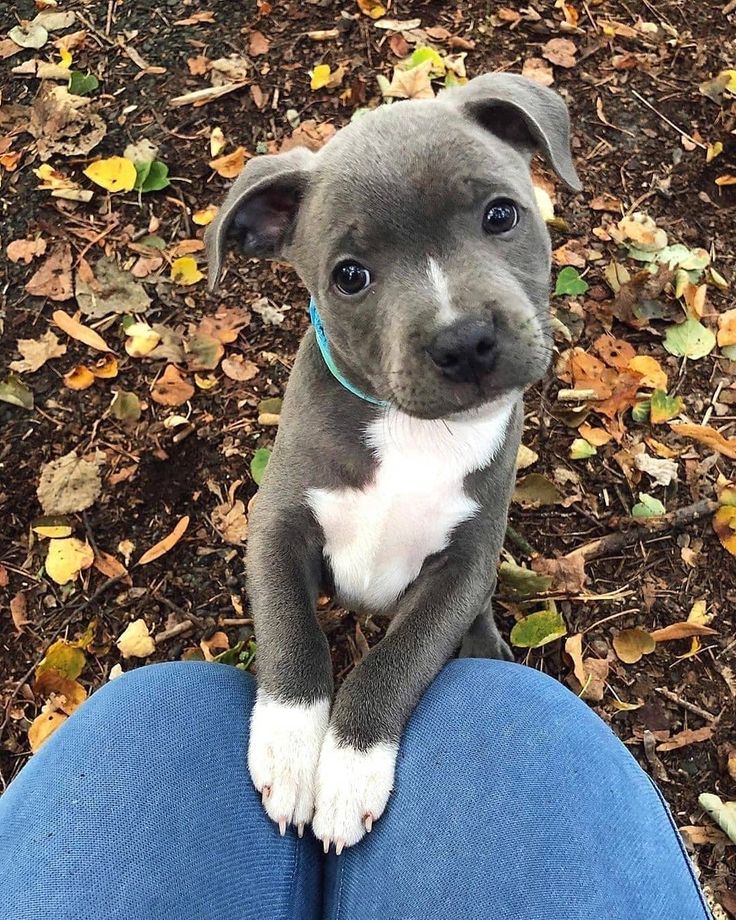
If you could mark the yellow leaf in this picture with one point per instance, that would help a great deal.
(43, 727)
(698, 615)
(46, 528)
(135, 642)
(713, 151)
(64, 658)
(72, 693)
(185, 271)
(142, 339)
(724, 524)
(79, 378)
(106, 368)
(631, 644)
(230, 165)
(116, 174)
(168, 542)
(65, 56)
(320, 76)
(727, 179)
(651, 371)
(695, 646)
(205, 215)
(374, 10)
(208, 382)
(727, 328)
(78, 331)
(67, 558)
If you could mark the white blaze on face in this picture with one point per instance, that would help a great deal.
(438, 280)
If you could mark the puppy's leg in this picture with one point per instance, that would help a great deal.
(292, 708)
(356, 767)
(483, 640)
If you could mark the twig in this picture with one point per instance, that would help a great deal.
(236, 621)
(520, 541)
(175, 631)
(184, 614)
(691, 707)
(644, 529)
(664, 118)
(650, 751)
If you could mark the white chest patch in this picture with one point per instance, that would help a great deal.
(377, 538)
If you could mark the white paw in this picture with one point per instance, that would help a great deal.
(285, 741)
(352, 790)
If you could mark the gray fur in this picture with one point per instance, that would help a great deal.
(403, 183)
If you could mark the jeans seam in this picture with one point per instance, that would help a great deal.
(292, 884)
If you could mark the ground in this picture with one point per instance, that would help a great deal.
(647, 140)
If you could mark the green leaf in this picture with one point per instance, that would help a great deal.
(125, 406)
(648, 506)
(534, 490)
(664, 407)
(522, 582)
(15, 392)
(230, 656)
(156, 178)
(690, 339)
(580, 449)
(142, 170)
(270, 406)
(640, 412)
(570, 282)
(153, 242)
(729, 351)
(421, 55)
(80, 84)
(259, 463)
(538, 629)
(65, 657)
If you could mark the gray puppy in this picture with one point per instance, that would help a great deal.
(417, 233)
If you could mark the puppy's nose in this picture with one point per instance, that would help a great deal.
(466, 351)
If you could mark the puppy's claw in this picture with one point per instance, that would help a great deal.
(368, 822)
(282, 826)
(265, 792)
(300, 829)
(326, 846)
(339, 847)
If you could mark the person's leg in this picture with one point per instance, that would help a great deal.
(141, 806)
(514, 801)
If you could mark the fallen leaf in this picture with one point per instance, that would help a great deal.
(650, 370)
(225, 324)
(136, 641)
(708, 436)
(686, 737)
(259, 463)
(108, 565)
(69, 485)
(538, 629)
(184, 271)
(64, 124)
(647, 507)
(258, 43)
(727, 328)
(567, 572)
(231, 165)
(125, 406)
(595, 436)
(570, 282)
(105, 368)
(79, 378)
(4, 579)
(580, 449)
(236, 367)
(205, 216)
(640, 230)
(141, 339)
(36, 352)
(171, 389)
(54, 278)
(168, 542)
(371, 8)
(664, 407)
(683, 630)
(16, 393)
(203, 352)
(230, 522)
(632, 644)
(18, 609)
(43, 727)
(76, 330)
(560, 51)
(72, 693)
(724, 524)
(538, 69)
(409, 84)
(26, 250)
(115, 174)
(535, 490)
(67, 558)
(216, 644)
(615, 352)
(109, 290)
(662, 472)
(63, 657)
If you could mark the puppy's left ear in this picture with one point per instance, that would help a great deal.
(261, 208)
(524, 113)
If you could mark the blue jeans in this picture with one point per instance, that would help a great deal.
(513, 801)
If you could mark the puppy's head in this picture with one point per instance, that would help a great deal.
(417, 232)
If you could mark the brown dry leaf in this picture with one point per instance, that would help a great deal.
(684, 738)
(615, 352)
(64, 124)
(258, 43)
(78, 331)
(18, 608)
(69, 694)
(411, 84)
(36, 352)
(708, 436)
(236, 367)
(4, 579)
(727, 328)
(109, 290)
(213, 646)
(595, 436)
(230, 165)
(631, 644)
(606, 202)
(230, 522)
(568, 572)
(43, 727)
(198, 65)
(146, 265)
(171, 389)
(704, 836)
(109, 566)
(560, 51)
(79, 378)
(26, 250)
(168, 542)
(54, 278)
(590, 673)
(683, 630)
(69, 485)
(651, 372)
(225, 324)
(309, 134)
(538, 69)
(573, 252)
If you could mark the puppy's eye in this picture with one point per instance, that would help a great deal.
(501, 216)
(351, 278)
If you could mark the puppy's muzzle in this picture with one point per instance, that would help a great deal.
(466, 351)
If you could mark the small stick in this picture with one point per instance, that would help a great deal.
(175, 631)
(650, 750)
(578, 396)
(664, 118)
(236, 621)
(691, 707)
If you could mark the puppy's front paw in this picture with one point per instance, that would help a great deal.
(352, 790)
(285, 741)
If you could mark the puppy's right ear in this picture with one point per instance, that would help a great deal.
(260, 209)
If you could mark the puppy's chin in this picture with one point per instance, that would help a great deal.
(463, 400)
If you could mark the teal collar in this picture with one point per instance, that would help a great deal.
(324, 347)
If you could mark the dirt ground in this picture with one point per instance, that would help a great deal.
(646, 139)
